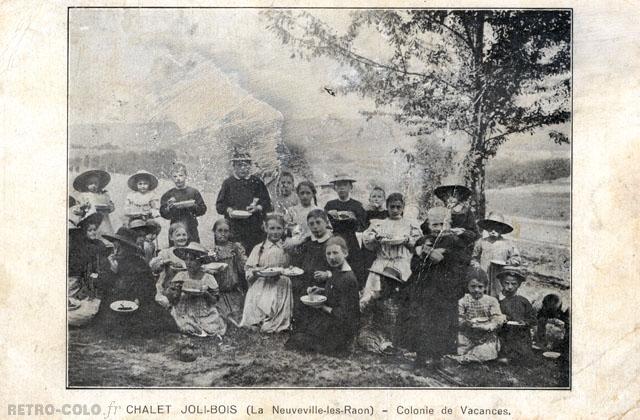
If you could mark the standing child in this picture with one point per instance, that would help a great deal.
(172, 209)
(245, 192)
(142, 202)
(334, 323)
(515, 336)
(347, 216)
(479, 318)
(95, 198)
(285, 198)
(428, 318)
(296, 216)
(393, 239)
(232, 279)
(375, 208)
(494, 248)
(268, 305)
(194, 295)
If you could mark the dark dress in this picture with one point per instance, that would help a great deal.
(331, 333)
(238, 194)
(309, 256)
(87, 256)
(187, 216)
(134, 280)
(428, 318)
(515, 339)
(347, 230)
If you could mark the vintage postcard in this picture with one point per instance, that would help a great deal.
(374, 210)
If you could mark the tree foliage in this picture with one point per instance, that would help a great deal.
(487, 74)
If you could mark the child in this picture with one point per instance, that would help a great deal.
(194, 294)
(133, 282)
(335, 323)
(243, 191)
(285, 199)
(375, 209)
(515, 338)
(150, 245)
(479, 317)
(347, 216)
(142, 202)
(95, 198)
(428, 317)
(166, 265)
(494, 247)
(268, 305)
(552, 324)
(296, 216)
(185, 215)
(232, 279)
(310, 256)
(389, 272)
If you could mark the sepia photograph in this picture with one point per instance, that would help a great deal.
(319, 198)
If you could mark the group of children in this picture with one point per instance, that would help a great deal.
(440, 289)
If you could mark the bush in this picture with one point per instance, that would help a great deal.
(508, 173)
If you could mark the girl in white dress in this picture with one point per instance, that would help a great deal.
(95, 199)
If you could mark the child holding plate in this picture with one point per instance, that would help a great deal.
(515, 336)
(335, 322)
(95, 198)
(194, 294)
(182, 204)
(166, 265)
(268, 305)
(244, 200)
(142, 202)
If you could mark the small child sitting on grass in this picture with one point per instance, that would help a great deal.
(515, 336)
(479, 318)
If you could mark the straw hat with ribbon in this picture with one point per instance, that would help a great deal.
(389, 273)
(194, 251)
(141, 227)
(514, 271)
(342, 176)
(450, 185)
(124, 236)
(80, 183)
(495, 221)
(142, 175)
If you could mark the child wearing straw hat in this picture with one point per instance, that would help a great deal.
(494, 248)
(94, 197)
(244, 201)
(142, 202)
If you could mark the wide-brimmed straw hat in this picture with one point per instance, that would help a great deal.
(91, 219)
(495, 221)
(342, 176)
(125, 236)
(142, 175)
(80, 183)
(450, 185)
(72, 201)
(195, 251)
(514, 271)
(154, 226)
(390, 273)
(141, 227)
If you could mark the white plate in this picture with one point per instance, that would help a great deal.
(293, 271)
(393, 241)
(239, 214)
(480, 320)
(313, 300)
(516, 323)
(184, 204)
(123, 306)
(498, 262)
(270, 272)
(191, 291)
(215, 266)
(551, 354)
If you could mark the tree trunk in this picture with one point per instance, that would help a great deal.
(477, 186)
(477, 151)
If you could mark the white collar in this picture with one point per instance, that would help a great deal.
(322, 239)
(268, 244)
(345, 267)
(238, 178)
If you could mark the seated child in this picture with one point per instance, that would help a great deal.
(232, 279)
(494, 247)
(552, 324)
(479, 318)
(335, 323)
(285, 199)
(166, 265)
(310, 256)
(243, 191)
(268, 304)
(141, 202)
(515, 339)
(150, 245)
(185, 215)
(194, 294)
(95, 198)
